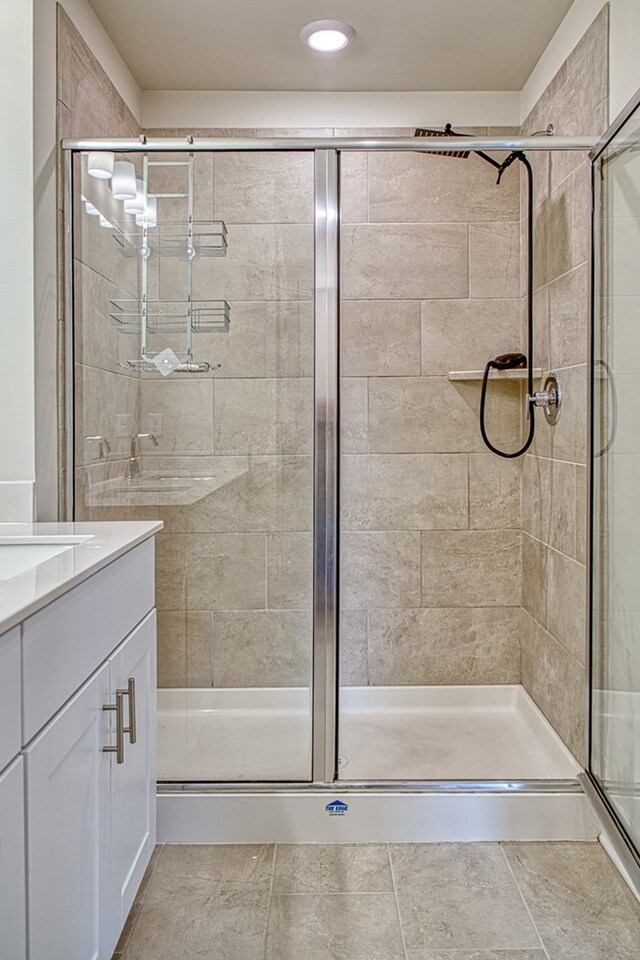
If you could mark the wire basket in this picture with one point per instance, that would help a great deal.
(170, 316)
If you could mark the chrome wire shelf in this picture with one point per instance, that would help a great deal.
(205, 239)
(170, 316)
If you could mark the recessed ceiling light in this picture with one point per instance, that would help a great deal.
(327, 36)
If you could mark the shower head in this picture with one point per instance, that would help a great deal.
(447, 132)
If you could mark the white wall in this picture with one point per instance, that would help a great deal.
(248, 108)
(624, 43)
(16, 261)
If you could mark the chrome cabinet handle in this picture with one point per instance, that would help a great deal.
(130, 692)
(118, 706)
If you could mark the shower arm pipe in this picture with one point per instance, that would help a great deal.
(395, 144)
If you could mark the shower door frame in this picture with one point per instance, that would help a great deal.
(325, 685)
(613, 829)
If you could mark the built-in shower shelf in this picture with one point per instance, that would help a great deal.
(517, 374)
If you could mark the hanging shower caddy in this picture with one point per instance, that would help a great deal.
(146, 316)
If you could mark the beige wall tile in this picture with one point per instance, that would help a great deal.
(354, 200)
(269, 494)
(354, 415)
(444, 646)
(354, 667)
(569, 317)
(434, 415)
(557, 683)
(186, 408)
(406, 187)
(471, 568)
(465, 334)
(100, 398)
(185, 648)
(211, 571)
(264, 416)
(536, 496)
(175, 179)
(264, 187)
(268, 648)
(379, 569)
(289, 349)
(553, 234)
(494, 492)
(404, 261)
(97, 343)
(494, 260)
(380, 338)
(582, 515)
(404, 492)
(569, 436)
(567, 604)
(263, 262)
(562, 526)
(289, 570)
(534, 578)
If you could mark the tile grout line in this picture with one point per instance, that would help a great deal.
(395, 894)
(525, 904)
(271, 885)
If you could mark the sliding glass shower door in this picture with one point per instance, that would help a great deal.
(194, 405)
(615, 669)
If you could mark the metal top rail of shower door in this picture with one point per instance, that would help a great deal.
(423, 145)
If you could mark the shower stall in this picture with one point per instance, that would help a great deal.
(278, 349)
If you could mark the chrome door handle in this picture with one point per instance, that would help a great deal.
(118, 706)
(130, 692)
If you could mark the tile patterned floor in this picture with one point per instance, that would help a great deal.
(449, 901)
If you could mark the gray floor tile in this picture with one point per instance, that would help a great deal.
(224, 927)
(354, 926)
(237, 863)
(484, 955)
(332, 868)
(459, 896)
(580, 904)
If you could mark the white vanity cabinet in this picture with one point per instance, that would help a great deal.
(13, 920)
(133, 783)
(77, 804)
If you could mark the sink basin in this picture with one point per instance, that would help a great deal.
(19, 554)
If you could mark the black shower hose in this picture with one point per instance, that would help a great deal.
(485, 380)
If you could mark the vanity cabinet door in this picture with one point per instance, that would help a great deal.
(13, 922)
(68, 829)
(133, 783)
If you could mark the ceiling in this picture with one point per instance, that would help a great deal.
(400, 45)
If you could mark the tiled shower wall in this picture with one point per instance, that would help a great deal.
(431, 523)
(89, 106)
(554, 484)
(430, 540)
(430, 575)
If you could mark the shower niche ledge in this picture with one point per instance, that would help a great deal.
(519, 373)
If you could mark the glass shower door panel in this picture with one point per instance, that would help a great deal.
(615, 731)
(220, 449)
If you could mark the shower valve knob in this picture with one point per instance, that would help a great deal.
(549, 398)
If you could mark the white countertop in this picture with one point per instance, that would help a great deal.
(25, 594)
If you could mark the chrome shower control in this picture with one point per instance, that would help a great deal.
(549, 398)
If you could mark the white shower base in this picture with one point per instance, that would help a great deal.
(386, 733)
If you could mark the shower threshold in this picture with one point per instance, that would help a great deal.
(417, 764)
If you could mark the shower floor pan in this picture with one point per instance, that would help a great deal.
(392, 740)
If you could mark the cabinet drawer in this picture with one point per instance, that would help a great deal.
(64, 643)
(10, 697)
